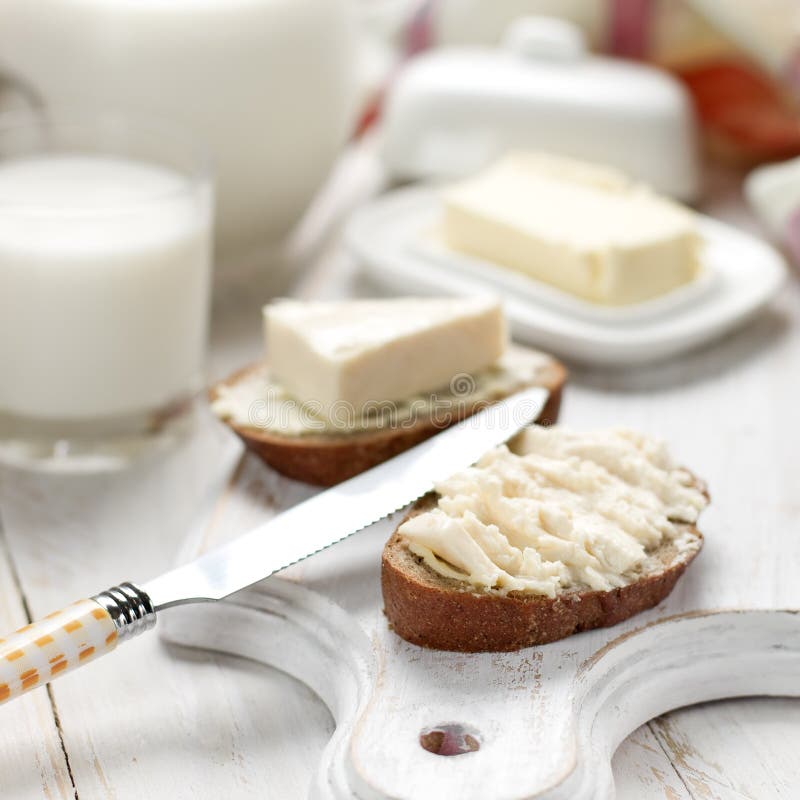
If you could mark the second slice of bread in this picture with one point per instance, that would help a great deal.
(430, 610)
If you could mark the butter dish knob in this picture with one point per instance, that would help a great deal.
(545, 38)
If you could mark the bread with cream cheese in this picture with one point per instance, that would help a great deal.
(436, 608)
(325, 459)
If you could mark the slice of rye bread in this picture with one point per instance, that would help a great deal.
(427, 609)
(328, 459)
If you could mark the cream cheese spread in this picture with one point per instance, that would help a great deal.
(256, 400)
(557, 509)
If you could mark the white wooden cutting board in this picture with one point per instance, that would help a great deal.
(548, 719)
(542, 722)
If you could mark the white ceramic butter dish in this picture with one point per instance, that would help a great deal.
(391, 237)
(432, 249)
(453, 110)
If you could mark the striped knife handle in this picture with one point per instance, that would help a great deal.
(41, 651)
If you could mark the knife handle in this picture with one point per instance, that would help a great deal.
(44, 650)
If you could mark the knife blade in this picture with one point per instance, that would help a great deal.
(345, 509)
(92, 627)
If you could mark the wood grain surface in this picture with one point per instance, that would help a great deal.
(173, 723)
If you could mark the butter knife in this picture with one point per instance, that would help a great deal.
(39, 652)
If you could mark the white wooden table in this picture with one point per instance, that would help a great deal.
(170, 723)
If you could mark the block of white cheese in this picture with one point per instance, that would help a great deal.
(582, 228)
(349, 354)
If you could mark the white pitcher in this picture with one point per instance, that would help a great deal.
(268, 86)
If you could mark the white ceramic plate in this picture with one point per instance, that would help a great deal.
(431, 248)
(391, 237)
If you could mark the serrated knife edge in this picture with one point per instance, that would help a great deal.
(339, 512)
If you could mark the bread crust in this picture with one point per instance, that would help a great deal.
(326, 460)
(429, 610)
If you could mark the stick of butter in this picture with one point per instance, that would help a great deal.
(362, 351)
(582, 228)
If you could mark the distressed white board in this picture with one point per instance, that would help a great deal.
(178, 724)
(548, 719)
(34, 736)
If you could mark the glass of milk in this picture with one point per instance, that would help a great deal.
(105, 243)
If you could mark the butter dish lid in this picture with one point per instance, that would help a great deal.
(454, 109)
